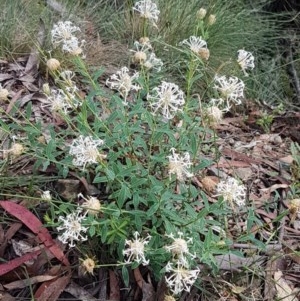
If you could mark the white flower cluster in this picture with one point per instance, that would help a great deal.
(232, 192)
(145, 56)
(231, 89)
(245, 60)
(180, 276)
(167, 98)
(91, 204)
(72, 228)
(179, 165)
(123, 82)
(147, 10)
(198, 46)
(62, 35)
(135, 251)
(85, 150)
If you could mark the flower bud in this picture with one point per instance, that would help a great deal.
(3, 93)
(169, 298)
(215, 115)
(204, 53)
(211, 20)
(201, 13)
(46, 89)
(17, 149)
(53, 64)
(92, 205)
(139, 57)
(144, 40)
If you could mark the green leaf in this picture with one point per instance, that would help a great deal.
(92, 230)
(103, 233)
(153, 209)
(193, 144)
(123, 195)
(110, 174)
(28, 110)
(99, 179)
(97, 74)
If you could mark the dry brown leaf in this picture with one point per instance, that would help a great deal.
(8, 235)
(114, 294)
(274, 187)
(209, 183)
(50, 291)
(5, 76)
(284, 291)
(147, 288)
(27, 282)
(6, 297)
(79, 292)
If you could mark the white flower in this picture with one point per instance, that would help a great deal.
(180, 278)
(141, 52)
(143, 45)
(46, 196)
(232, 89)
(144, 55)
(67, 77)
(123, 82)
(136, 248)
(220, 103)
(215, 110)
(168, 99)
(179, 248)
(92, 205)
(196, 44)
(179, 165)
(62, 32)
(58, 100)
(245, 60)
(215, 115)
(73, 46)
(148, 10)
(72, 228)
(232, 192)
(145, 41)
(85, 150)
(152, 62)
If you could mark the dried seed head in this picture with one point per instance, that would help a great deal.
(53, 64)
(88, 265)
